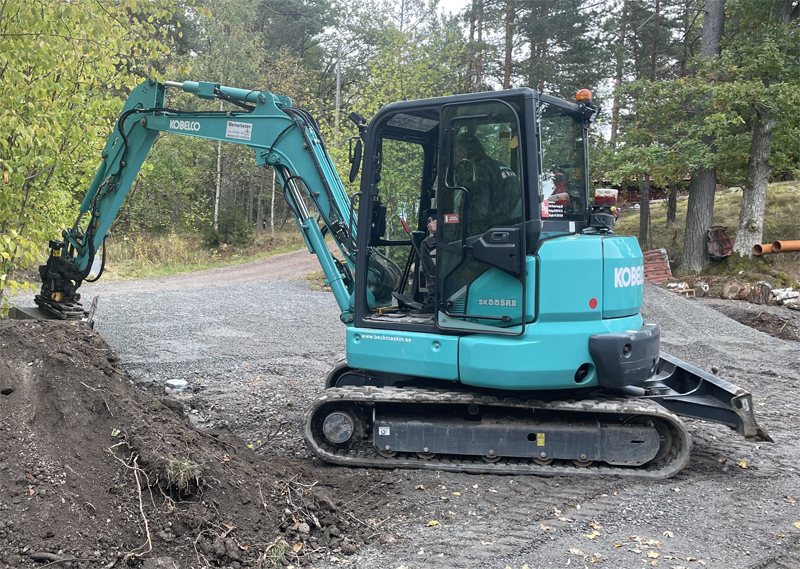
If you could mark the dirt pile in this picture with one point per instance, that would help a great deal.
(95, 473)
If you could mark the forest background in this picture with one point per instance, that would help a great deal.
(694, 93)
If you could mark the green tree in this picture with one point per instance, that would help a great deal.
(63, 66)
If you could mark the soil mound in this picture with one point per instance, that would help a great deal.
(95, 473)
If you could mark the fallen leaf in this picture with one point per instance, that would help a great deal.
(29, 475)
(654, 563)
(652, 542)
(676, 489)
(743, 464)
(487, 543)
(595, 525)
(420, 487)
(444, 487)
(297, 547)
(617, 544)
(790, 500)
(556, 511)
(544, 527)
(565, 519)
(456, 493)
(576, 551)
(433, 523)
(797, 525)
(475, 486)
(30, 489)
(636, 550)
(115, 432)
(226, 458)
(493, 490)
(652, 554)
(592, 535)
(779, 535)
(669, 534)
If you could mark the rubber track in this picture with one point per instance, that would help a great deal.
(668, 466)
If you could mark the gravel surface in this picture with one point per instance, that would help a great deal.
(255, 353)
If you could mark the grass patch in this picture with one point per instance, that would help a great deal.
(145, 256)
(781, 221)
(316, 280)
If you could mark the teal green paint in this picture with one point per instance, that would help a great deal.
(546, 356)
(496, 293)
(112, 179)
(410, 353)
(623, 277)
(570, 276)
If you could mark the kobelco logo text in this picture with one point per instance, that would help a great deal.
(628, 276)
(184, 125)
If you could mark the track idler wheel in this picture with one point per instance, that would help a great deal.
(386, 453)
(426, 455)
(543, 461)
(582, 463)
(490, 459)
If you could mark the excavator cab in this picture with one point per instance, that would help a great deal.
(499, 171)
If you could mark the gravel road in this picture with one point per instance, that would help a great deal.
(255, 345)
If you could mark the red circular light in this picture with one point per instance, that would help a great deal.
(593, 303)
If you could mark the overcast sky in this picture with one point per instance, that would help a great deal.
(452, 5)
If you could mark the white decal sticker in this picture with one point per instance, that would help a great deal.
(572, 227)
(497, 302)
(239, 130)
(184, 125)
(628, 276)
(384, 431)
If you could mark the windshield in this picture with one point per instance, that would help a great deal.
(562, 178)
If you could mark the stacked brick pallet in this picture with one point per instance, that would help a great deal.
(656, 266)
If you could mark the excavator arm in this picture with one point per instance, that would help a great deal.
(283, 137)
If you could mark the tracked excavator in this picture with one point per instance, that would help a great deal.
(533, 357)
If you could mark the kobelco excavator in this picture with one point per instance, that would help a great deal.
(523, 352)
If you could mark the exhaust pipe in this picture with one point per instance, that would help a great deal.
(762, 249)
(785, 246)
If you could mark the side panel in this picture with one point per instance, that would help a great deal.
(547, 356)
(570, 283)
(410, 353)
(623, 277)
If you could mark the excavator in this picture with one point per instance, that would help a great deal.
(532, 357)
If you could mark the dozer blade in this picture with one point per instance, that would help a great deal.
(691, 392)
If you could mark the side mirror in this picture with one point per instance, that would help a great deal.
(355, 158)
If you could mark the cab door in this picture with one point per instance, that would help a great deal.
(480, 234)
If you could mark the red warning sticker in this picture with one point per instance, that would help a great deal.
(545, 209)
(451, 218)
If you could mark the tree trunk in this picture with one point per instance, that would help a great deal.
(272, 212)
(654, 55)
(543, 54)
(699, 216)
(219, 180)
(700, 211)
(479, 61)
(754, 192)
(509, 43)
(468, 85)
(672, 204)
(644, 211)
(250, 196)
(260, 201)
(618, 78)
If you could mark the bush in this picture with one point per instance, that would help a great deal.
(233, 229)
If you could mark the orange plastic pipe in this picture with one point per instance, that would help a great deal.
(785, 246)
(762, 249)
